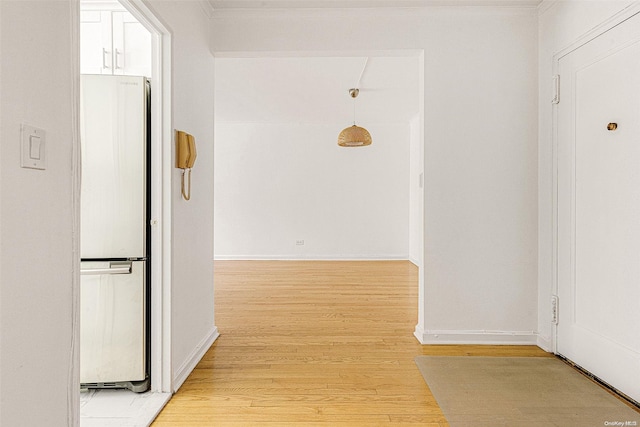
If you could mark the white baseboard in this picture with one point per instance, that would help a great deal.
(194, 358)
(310, 258)
(476, 337)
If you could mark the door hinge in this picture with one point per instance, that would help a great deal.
(554, 309)
(556, 89)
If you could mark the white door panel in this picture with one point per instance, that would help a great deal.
(132, 46)
(599, 207)
(95, 42)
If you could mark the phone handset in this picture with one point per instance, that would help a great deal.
(185, 158)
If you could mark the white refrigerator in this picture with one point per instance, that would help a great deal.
(114, 232)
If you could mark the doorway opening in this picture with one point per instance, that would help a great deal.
(141, 46)
(285, 190)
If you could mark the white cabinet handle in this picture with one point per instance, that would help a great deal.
(104, 58)
(116, 59)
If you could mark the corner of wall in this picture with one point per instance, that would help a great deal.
(545, 343)
(420, 334)
(190, 362)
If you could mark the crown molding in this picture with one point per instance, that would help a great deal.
(360, 4)
(293, 13)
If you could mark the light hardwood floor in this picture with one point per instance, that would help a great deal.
(315, 343)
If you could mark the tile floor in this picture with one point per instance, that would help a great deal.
(120, 408)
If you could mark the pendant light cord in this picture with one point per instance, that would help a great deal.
(354, 111)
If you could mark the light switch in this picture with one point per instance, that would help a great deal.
(33, 147)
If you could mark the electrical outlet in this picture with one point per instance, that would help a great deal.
(554, 309)
(299, 242)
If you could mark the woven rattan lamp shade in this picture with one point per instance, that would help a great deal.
(354, 136)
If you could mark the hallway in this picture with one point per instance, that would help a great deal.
(315, 343)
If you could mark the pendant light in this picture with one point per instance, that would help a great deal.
(354, 136)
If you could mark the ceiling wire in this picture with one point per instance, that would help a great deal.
(362, 72)
(357, 87)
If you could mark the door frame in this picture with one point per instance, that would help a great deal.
(161, 138)
(419, 331)
(161, 247)
(599, 30)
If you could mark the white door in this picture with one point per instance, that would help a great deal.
(599, 207)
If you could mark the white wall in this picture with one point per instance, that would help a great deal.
(278, 183)
(480, 175)
(193, 328)
(416, 198)
(480, 92)
(36, 258)
(560, 25)
(37, 262)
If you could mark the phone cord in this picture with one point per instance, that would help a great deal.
(186, 195)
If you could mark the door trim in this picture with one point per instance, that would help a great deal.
(161, 143)
(73, 387)
(161, 250)
(617, 19)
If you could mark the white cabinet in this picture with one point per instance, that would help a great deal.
(114, 42)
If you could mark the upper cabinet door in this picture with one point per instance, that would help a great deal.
(114, 42)
(95, 42)
(131, 46)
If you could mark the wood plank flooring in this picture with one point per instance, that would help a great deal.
(315, 343)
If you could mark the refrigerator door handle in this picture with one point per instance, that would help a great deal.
(115, 268)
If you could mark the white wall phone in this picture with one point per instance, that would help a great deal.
(185, 158)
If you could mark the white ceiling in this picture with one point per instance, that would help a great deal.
(315, 89)
(296, 4)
